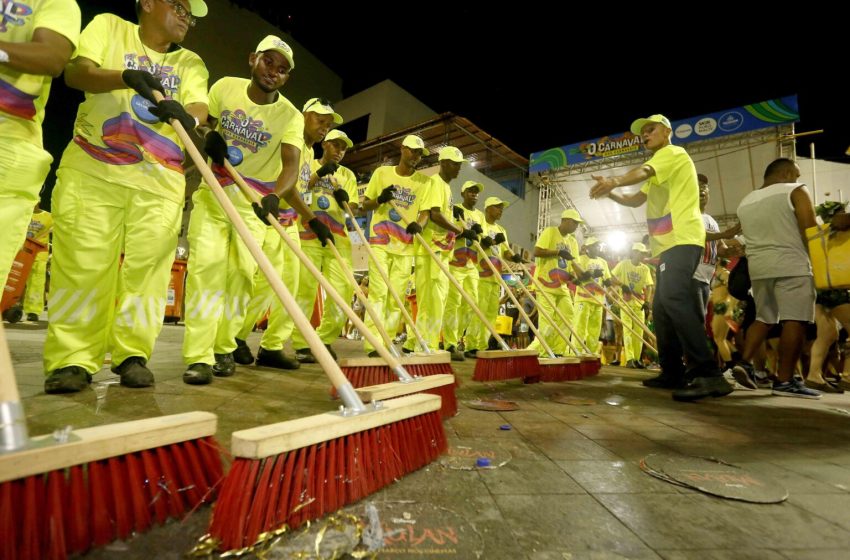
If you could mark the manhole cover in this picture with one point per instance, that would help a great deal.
(492, 405)
(715, 477)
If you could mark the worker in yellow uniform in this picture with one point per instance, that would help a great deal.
(251, 124)
(37, 38)
(496, 247)
(329, 186)
(393, 196)
(120, 190)
(39, 230)
(592, 271)
(318, 117)
(555, 249)
(636, 289)
(463, 266)
(440, 231)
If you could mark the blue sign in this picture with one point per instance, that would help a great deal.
(714, 125)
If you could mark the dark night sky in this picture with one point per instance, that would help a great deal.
(537, 77)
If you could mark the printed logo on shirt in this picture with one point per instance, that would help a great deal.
(404, 196)
(242, 130)
(13, 14)
(170, 80)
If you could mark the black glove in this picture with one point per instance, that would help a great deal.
(500, 238)
(340, 195)
(607, 283)
(584, 276)
(516, 258)
(477, 229)
(469, 234)
(168, 109)
(413, 228)
(597, 273)
(458, 213)
(321, 230)
(270, 204)
(215, 147)
(626, 290)
(386, 195)
(566, 255)
(327, 169)
(486, 243)
(144, 83)
(646, 307)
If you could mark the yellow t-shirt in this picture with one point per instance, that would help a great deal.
(115, 138)
(592, 289)
(494, 253)
(388, 223)
(321, 201)
(254, 134)
(637, 277)
(554, 272)
(438, 194)
(40, 226)
(672, 201)
(23, 96)
(465, 255)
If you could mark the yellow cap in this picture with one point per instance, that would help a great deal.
(639, 247)
(638, 125)
(337, 134)
(470, 184)
(494, 201)
(197, 7)
(276, 44)
(415, 143)
(590, 241)
(321, 107)
(572, 214)
(452, 154)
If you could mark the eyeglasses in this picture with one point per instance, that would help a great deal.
(182, 12)
(320, 101)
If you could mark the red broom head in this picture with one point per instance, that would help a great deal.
(265, 496)
(68, 511)
(505, 367)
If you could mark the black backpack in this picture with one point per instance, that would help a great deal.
(739, 280)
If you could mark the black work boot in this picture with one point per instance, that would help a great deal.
(276, 359)
(69, 379)
(305, 356)
(701, 387)
(242, 355)
(198, 374)
(134, 373)
(224, 365)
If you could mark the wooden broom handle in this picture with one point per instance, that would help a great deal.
(611, 293)
(513, 298)
(407, 318)
(551, 302)
(8, 386)
(254, 197)
(550, 319)
(321, 353)
(472, 303)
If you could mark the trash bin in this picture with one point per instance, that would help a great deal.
(11, 302)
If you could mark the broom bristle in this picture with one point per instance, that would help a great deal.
(68, 511)
(307, 483)
(502, 365)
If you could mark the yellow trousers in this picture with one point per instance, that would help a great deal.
(333, 319)
(432, 287)
(23, 168)
(98, 303)
(34, 296)
(219, 277)
(632, 344)
(263, 298)
(488, 301)
(457, 313)
(564, 302)
(588, 324)
(398, 271)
